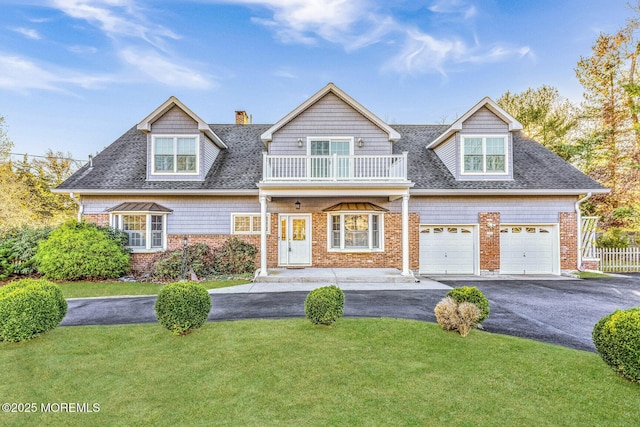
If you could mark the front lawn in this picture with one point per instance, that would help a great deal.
(288, 372)
(104, 289)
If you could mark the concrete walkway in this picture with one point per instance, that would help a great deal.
(347, 279)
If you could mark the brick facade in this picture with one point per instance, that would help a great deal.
(390, 258)
(489, 236)
(568, 240)
(489, 241)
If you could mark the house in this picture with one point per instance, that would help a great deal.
(332, 185)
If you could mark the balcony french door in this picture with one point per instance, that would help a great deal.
(322, 165)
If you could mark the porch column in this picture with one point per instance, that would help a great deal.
(263, 235)
(405, 235)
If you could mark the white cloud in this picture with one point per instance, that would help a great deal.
(19, 73)
(161, 69)
(285, 72)
(423, 53)
(29, 33)
(454, 7)
(355, 24)
(82, 50)
(116, 18)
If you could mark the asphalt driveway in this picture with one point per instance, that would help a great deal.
(559, 312)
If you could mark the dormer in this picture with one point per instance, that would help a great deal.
(180, 145)
(330, 122)
(479, 145)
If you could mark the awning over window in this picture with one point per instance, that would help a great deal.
(139, 207)
(357, 206)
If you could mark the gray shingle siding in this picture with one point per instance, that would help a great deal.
(330, 116)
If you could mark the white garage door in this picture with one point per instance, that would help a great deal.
(528, 249)
(447, 249)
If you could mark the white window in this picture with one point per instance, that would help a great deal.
(353, 232)
(175, 154)
(247, 223)
(147, 231)
(484, 155)
(323, 151)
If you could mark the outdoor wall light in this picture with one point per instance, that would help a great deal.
(360, 142)
(300, 142)
(298, 205)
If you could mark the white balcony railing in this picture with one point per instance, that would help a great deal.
(335, 168)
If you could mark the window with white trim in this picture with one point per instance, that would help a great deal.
(147, 232)
(322, 151)
(247, 223)
(175, 154)
(355, 231)
(484, 155)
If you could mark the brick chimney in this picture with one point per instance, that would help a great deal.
(242, 118)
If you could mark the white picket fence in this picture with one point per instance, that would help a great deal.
(619, 260)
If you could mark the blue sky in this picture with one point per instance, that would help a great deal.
(76, 74)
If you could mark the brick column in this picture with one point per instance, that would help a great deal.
(568, 240)
(489, 241)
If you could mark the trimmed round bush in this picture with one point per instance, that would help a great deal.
(182, 307)
(323, 306)
(474, 296)
(77, 250)
(29, 307)
(617, 339)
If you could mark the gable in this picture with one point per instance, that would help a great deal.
(484, 121)
(174, 121)
(330, 116)
(393, 135)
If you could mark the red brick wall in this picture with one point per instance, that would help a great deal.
(489, 241)
(98, 219)
(390, 258)
(568, 241)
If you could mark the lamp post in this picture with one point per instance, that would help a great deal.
(183, 269)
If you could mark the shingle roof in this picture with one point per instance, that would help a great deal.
(122, 165)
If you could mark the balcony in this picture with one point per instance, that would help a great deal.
(382, 168)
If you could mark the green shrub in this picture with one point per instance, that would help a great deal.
(29, 307)
(614, 238)
(454, 316)
(18, 248)
(235, 257)
(617, 339)
(325, 305)
(78, 250)
(474, 296)
(168, 265)
(182, 307)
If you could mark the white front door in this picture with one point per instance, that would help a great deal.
(294, 243)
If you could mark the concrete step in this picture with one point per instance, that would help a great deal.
(331, 276)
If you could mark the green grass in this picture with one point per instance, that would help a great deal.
(359, 372)
(591, 275)
(103, 289)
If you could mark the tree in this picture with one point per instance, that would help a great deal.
(26, 197)
(546, 117)
(609, 76)
(5, 143)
